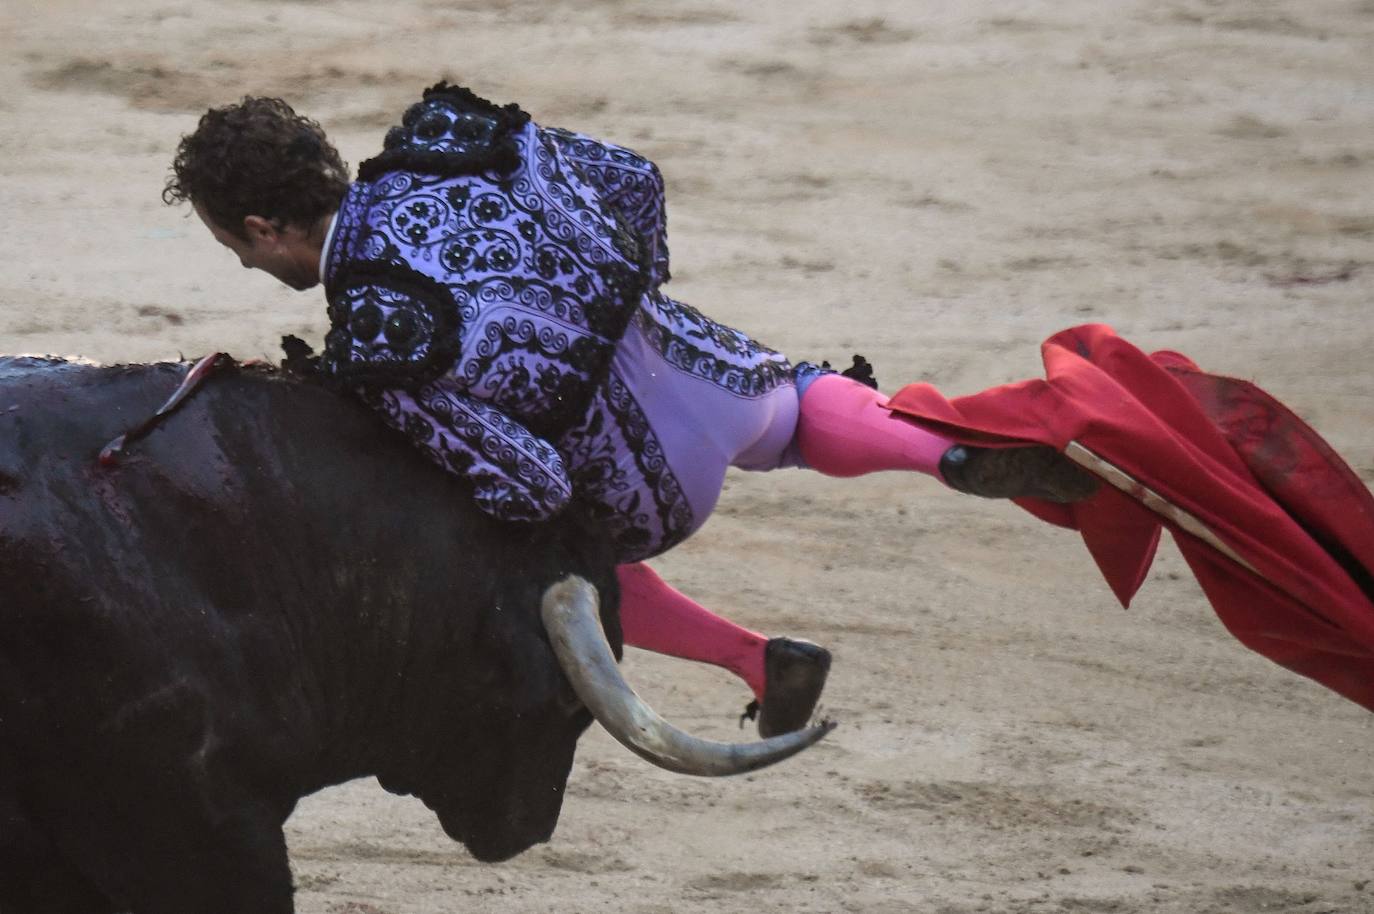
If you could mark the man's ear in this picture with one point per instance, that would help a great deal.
(258, 228)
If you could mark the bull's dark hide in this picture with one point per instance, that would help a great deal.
(268, 595)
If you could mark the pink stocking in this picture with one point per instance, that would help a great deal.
(658, 618)
(843, 430)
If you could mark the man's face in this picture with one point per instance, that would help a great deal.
(285, 254)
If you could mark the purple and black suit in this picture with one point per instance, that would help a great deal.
(494, 292)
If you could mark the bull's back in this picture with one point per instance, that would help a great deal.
(271, 591)
(126, 628)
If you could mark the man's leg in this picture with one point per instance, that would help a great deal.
(786, 675)
(843, 429)
(658, 618)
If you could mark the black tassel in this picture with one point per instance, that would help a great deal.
(861, 371)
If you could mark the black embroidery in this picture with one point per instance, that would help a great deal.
(613, 494)
(451, 132)
(545, 263)
(516, 476)
(389, 326)
(630, 185)
(532, 264)
(713, 352)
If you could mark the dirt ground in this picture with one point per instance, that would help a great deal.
(938, 185)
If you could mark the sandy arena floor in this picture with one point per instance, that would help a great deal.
(938, 185)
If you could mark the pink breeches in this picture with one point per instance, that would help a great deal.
(842, 430)
(658, 618)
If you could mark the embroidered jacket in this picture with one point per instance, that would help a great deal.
(493, 291)
(481, 273)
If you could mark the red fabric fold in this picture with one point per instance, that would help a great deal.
(1226, 452)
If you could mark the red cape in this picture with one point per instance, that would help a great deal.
(1224, 451)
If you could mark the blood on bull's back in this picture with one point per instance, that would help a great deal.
(268, 593)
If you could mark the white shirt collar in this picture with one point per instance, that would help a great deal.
(328, 243)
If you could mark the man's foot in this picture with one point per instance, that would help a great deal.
(794, 675)
(1034, 471)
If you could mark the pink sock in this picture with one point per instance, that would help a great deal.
(658, 618)
(843, 430)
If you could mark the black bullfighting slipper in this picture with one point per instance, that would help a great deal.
(1033, 471)
(794, 674)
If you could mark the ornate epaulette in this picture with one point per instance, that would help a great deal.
(450, 132)
(390, 326)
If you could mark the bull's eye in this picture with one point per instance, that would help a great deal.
(402, 331)
(366, 323)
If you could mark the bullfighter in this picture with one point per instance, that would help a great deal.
(495, 292)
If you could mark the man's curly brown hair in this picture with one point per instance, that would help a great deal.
(257, 158)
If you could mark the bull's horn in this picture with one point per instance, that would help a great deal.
(573, 622)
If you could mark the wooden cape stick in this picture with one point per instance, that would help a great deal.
(1120, 479)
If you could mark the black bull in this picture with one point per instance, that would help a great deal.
(269, 594)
